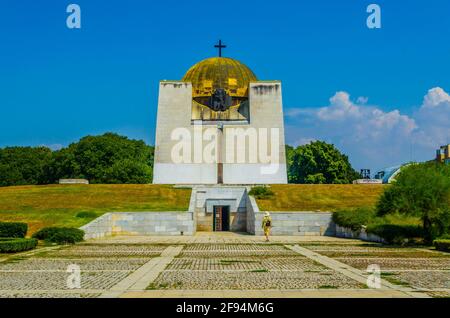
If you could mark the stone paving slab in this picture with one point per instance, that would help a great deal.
(219, 237)
(228, 263)
(6, 256)
(299, 293)
(347, 270)
(397, 263)
(439, 293)
(106, 251)
(225, 265)
(247, 266)
(233, 247)
(58, 280)
(145, 275)
(60, 264)
(254, 280)
(414, 268)
(48, 294)
(382, 253)
(234, 254)
(44, 272)
(421, 279)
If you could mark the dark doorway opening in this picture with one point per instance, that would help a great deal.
(220, 173)
(221, 218)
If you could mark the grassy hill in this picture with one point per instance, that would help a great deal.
(323, 197)
(58, 205)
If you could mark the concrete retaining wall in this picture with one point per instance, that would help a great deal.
(252, 209)
(100, 227)
(290, 223)
(297, 223)
(363, 235)
(141, 223)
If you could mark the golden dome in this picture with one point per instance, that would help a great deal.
(219, 73)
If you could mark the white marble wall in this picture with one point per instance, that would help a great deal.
(141, 223)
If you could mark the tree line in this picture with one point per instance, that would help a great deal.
(108, 158)
(111, 158)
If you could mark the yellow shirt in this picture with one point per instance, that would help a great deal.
(264, 221)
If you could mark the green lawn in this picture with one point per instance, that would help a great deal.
(58, 205)
(320, 197)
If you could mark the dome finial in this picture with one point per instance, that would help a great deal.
(220, 46)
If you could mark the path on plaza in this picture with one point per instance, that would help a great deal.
(225, 265)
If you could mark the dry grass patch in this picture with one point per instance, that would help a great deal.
(320, 197)
(58, 205)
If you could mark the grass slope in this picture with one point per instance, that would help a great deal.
(58, 205)
(320, 197)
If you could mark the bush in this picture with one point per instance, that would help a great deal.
(396, 233)
(442, 245)
(261, 192)
(421, 190)
(60, 235)
(353, 219)
(13, 229)
(13, 245)
(86, 215)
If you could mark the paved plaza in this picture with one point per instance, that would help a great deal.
(225, 265)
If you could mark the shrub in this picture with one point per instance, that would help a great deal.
(396, 233)
(353, 219)
(421, 190)
(261, 192)
(60, 235)
(442, 245)
(13, 229)
(86, 215)
(13, 245)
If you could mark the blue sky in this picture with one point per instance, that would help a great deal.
(380, 95)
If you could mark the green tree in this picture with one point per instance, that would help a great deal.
(129, 171)
(421, 190)
(290, 151)
(23, 165)
(319, 162)
(108, 158)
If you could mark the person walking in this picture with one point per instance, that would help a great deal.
(267, 225)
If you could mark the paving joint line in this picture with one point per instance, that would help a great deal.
(351, 272)
(139, 279)
(30, 253)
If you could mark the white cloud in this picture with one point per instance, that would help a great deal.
(433, 118)
(374, 138)
(340, 108)
(435, 98)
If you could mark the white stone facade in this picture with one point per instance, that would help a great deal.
(251, 152)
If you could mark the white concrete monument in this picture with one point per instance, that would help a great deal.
(220, 125)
